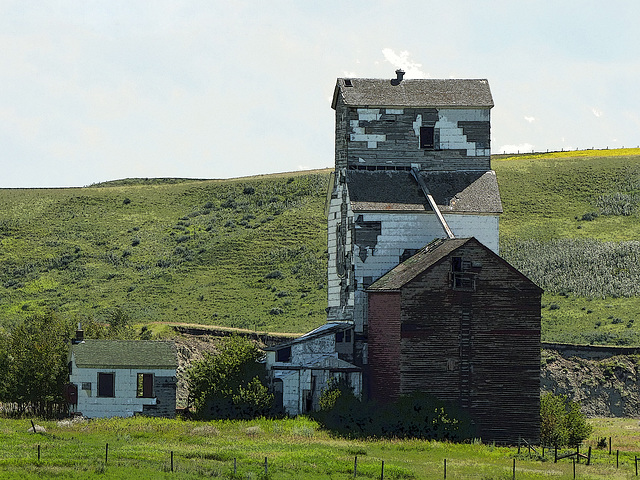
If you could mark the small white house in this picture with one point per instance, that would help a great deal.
(300, 370)
(122, 378)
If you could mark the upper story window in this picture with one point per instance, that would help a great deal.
(283, 354)
(462, 278)
(427, 138)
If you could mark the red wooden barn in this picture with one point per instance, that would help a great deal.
(457, 321)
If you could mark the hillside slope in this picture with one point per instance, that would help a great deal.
(251, 252)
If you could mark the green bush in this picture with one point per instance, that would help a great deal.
(561, 421)
(418, 415)
(230, 384)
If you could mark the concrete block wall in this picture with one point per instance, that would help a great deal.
(125, 403)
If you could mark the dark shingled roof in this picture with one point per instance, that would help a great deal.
(454, 192)
(125, 354)
(421, 261)
(374, 92)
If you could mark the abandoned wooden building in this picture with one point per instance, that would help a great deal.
(122, 378)
(413, 165)
(457, 321)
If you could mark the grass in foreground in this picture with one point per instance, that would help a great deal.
(294, 448)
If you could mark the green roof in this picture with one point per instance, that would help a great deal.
(125, 354)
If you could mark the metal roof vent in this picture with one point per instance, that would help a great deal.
(398, 79)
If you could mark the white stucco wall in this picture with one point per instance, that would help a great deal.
(124, 403)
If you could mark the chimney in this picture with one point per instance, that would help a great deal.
(79, 336)
(398, 79)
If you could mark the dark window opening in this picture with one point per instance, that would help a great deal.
(427, 137)
(145, 385)
(106, 384)
(347, 82)
(283, 355)
(347, 336)
(462, 277)
(339, 337)
(459, 264)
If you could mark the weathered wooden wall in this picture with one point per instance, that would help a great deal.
(389, 137)
(384, 346)
(479, 349)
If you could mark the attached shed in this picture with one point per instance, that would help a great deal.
(121, 378)
(300, 370)
(457, 321)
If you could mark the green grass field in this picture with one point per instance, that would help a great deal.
(251, 253)
(294, 448)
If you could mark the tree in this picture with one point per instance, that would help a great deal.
(230, 383)
(562, 422)
(33, 364)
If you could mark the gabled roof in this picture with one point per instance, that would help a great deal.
(324, 329)
(375, 92)
(426, 258)
(454, 192)
(125, 354)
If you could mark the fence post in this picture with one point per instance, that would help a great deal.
(38, 452)
(266, 467)
(445, 469)
(235, 466)
(609, 445)
(617, 452)
(514, 469)
(574, 468)
(382, 471)
(106, 453)
(172, 460)
(555, 455)
(589, 456)
(636, 466)
(355, 467)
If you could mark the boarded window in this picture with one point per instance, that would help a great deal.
(106, 384)
(144, 387)
(462, 277)
(427, 137)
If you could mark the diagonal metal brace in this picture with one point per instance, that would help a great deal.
(432, 202)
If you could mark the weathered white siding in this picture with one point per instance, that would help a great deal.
(125, 403)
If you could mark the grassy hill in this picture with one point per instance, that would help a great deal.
(251, 252)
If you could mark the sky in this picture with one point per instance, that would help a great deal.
(99, 90)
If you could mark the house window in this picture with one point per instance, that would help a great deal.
(427, 137)
(283, 354)
(347, 82)
(462, 278)
(347, 336)
(106, 384)
(339, 337)
(144, 388)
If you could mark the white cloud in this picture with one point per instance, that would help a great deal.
(522, 148)
(530, 119)
(597, 112)
(401, 60)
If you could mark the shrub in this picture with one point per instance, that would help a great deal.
(561, 421)
(126, 201)
(230, 384)
(417, 415)
(277, 274)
